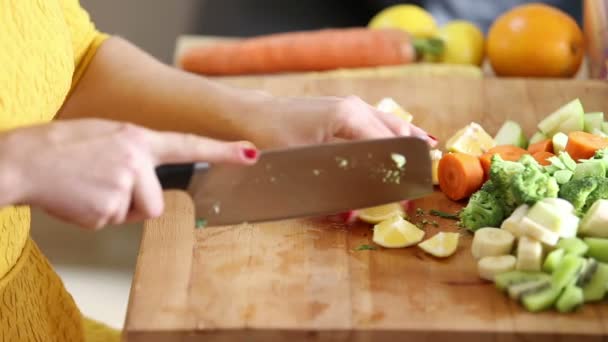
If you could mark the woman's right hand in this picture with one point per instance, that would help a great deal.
(97, 172)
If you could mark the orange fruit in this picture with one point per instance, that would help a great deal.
(535, 40)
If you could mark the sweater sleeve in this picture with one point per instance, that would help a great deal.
(86, 38)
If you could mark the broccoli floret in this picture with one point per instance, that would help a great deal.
(489, 186)
(582, 191)
(483, 210)
(532, 185)
(529, 162)
(502, 171)
(600, 192)
(602, 155)
(521, 182)
(501, 175)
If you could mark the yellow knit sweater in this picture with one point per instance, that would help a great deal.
(44, 47)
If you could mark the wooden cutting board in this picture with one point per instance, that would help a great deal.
(303, 280)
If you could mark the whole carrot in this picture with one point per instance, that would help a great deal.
(317, 50)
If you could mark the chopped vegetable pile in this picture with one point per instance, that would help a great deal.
(540, 213)
(537, 208)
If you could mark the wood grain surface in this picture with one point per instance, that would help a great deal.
(303, 280)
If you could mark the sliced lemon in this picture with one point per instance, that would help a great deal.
(396, 232)
(389, 105)
(472, 139)
(411, 18)
(441, 245)
(380, 213)
(435, 158)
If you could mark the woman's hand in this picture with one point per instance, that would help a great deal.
(124, 83)
(312, 120)
(97, 172)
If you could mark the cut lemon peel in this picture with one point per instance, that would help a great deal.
(397, 232)
(441, 245)
(380, 213)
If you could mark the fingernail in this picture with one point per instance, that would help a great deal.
(250, 153)
(432, 137)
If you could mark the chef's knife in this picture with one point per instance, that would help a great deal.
(305, 181)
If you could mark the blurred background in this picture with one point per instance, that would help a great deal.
(155, 24)
(103, 263)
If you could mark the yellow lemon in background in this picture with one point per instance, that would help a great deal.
(411, 18)
(464, 43)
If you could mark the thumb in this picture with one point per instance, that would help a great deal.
(186, 148)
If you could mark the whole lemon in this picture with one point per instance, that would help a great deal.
(411, 18)
(464, 43)
(535, 40)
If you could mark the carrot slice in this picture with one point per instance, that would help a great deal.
(506, 152)
(542, 156)
(460, 175)
(583, 145)
(541, 146)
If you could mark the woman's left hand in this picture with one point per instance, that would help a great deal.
(281, 122)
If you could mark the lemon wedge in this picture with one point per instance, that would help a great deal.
(396, 232)
(441, 245)
(382, 212)
(435, 158)
(389, 105)
(472, 139)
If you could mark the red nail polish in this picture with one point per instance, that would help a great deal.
(250, 153)
(432, 137)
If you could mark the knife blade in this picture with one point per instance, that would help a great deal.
(305, 181)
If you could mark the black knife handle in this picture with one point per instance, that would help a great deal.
(175, 176)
